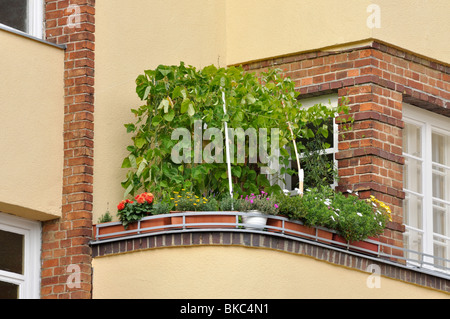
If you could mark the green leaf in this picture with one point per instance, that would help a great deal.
(185, 105)
(169, 116)
(191, 110)
(126, 163)
(140, 142)
(156, 120)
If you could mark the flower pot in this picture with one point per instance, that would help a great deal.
(159, 223)
(113, 228)
(257, 222)
(300, 230)
(366, 247)
(209, 218)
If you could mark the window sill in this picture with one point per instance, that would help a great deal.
(26, 35)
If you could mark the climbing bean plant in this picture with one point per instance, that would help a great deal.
(180, 96)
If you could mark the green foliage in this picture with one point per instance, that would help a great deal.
(291, 206)
(353, 218)
(230, 204)
(177, 96)
(261, 202)
(105, 218)
(160, 208)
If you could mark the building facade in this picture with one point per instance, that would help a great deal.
(72, 64)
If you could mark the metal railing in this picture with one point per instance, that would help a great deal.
(187, 221)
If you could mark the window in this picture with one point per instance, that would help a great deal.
(22, 15)
(426, 146)
(325, 156)
(20, 243)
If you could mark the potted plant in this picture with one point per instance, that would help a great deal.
(258, 208)
(130, 212)
(189, 202)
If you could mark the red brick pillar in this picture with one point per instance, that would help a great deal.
(370, 154)
(66, 254)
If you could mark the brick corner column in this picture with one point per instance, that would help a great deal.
(66, 253)
(370, 154)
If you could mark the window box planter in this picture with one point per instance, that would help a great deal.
(209, 218)
(300, 230)
(116, 229)
(366, 246)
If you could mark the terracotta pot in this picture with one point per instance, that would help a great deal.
(114, 227)
(156, 222)
(208, 218)
(369, 248)
(302, 229)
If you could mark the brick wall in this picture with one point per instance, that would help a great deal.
(376, 79)
(66, 240)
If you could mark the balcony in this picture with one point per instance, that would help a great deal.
(228, 228)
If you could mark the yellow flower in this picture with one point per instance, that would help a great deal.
(175, 192)
(182, 189)
(195, 204)
(172, 198)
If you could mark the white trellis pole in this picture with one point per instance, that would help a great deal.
(227, 149)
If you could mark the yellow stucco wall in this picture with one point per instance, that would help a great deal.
(258, 29)
(32, 119)
(227, 272)
(132, 38)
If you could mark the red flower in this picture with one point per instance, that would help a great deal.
(121, 205)
(144, 197)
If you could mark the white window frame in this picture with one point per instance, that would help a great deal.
(331, 100)
(429, 123)
(29, 281)
(35, 13)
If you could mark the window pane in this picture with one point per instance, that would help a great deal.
(8, 291)
(441, 149)
(441, 250)
(412, 140)
(14, 13)
(441, 183)
(413, 209)
(11, 252)
(412, 177)
(413, 242)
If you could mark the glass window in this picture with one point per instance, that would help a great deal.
(20, 247)
(426, 146)
(11, 252)
(9, 290)
(317, 150)
(22, 15)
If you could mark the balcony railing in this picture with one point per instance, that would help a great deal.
(276, 226)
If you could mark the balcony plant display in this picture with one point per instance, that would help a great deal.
(130, 212)
(352, 219)
(258, 208)
(188, 202)
(178, 97)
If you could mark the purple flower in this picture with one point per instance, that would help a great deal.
(276, 206)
